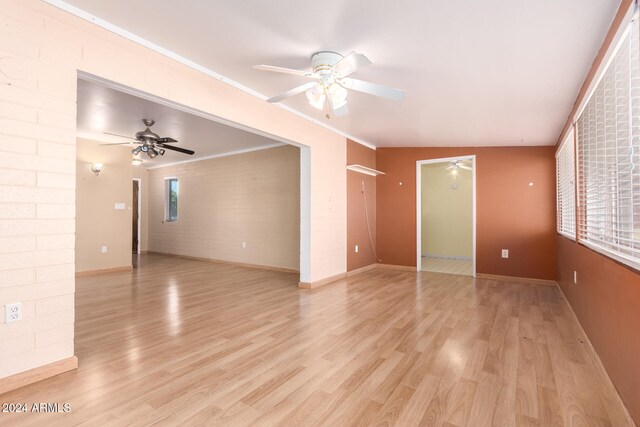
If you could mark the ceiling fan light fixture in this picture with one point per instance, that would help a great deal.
(97, 167)
(316, 96)
(338, 95)
(150, 143)
(330, 70)
(319, 93)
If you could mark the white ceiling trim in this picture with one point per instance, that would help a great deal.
(215, 156)
(191, 64)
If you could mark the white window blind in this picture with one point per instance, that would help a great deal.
(608, 137)
(565, 188)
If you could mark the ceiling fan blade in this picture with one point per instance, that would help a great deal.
(373, 89)
(165, 140)
(291, 92)
(465, 167)
(351, 63)
(117, 134)
(275, 69)
(119, 143)
(178, 149)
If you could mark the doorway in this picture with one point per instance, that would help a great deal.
(104, 86)
(135, 216)
(446, 215)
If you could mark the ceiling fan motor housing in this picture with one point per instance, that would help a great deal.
(147, 134)
(323, 62)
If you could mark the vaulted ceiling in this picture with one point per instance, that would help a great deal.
(491, 72)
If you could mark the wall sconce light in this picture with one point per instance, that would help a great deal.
(97, 167)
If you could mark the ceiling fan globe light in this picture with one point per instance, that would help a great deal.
(316, 96)
(338, 93)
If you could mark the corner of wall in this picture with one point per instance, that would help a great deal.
(361, 208)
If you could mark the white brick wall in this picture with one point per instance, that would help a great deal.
(37, 137)
(37, 199)
(252, 197)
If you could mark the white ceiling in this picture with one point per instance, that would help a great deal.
(103, 109)
(491, 72)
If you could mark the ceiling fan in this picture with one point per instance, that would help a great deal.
(329, 90)
(454, 165)
(150, 142)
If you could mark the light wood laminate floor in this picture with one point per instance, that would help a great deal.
(182, 342)
(448, 265)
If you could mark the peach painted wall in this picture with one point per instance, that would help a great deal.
(357, 233)
(37, 163)
(510, 213)
(98, 223)
(606, 298)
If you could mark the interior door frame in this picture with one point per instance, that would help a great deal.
(139, 212)
(419, 164)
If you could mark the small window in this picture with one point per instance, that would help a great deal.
(171, 199)
(565, 188)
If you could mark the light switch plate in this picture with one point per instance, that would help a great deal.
(120, 206)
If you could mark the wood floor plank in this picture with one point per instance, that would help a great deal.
(460, 403)
(186, 342)
(526, 384)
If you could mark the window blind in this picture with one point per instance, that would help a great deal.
(608, 137)
(565, 188)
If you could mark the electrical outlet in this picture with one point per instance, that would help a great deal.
(12, 312)
(575, 277)
(505, 253)
(356, 248)
(244, 244)
(104, 249)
